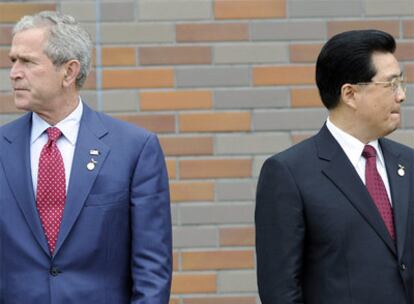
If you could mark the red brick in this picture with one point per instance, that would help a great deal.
(4, 58)
(249, 9)
(179, 145)
(193, 283)
(7, 104)
(216, 260)
(215, 122)
(119, 56)
(175, 55)
(174, 301)
(212, 32)
(176, 263)
(237, 236)
(215, 168)
(409, 72)
(305, 98)
(283, 75)
(138, 78)
(408, 28)
(221, 300)
(405, 51)
(90, 83)
(390, 26)
(304, 52)
(154, 123)
(192, 191)
(12, 12)
(5, 35)
(171, 168)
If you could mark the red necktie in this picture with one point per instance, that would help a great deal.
(376, 188)
(51, 188)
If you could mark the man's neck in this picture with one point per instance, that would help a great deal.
(349, 126)
(59, 114)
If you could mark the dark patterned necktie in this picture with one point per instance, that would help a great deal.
(376, 189)
(51, 188)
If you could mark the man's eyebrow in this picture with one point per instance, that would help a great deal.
(393, 76)
(21, 56)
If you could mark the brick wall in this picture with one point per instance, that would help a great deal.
(224, 83)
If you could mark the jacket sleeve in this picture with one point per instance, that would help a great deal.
(280, 235)
(151, 247)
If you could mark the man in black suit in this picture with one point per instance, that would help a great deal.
(334, 213)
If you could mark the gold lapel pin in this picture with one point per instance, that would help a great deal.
(401, 170)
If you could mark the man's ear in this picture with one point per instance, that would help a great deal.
(348, 95)
(71, 72)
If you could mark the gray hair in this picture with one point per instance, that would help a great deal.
(67, 40)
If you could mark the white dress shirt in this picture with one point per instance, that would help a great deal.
(69, 127)
(353, 148)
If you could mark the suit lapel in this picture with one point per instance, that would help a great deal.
(400, 190)
(81, 179)
(341, 172)
(16, 161)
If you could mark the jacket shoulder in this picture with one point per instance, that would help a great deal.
(396, 146)
(298, 152)
(115, 124)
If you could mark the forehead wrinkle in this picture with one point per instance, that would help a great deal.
(22, 54)
(25, 49)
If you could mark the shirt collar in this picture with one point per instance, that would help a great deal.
(69, 126)
(352, 146)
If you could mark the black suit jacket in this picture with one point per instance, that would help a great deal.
(320, 238)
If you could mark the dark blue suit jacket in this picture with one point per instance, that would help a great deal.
(114, 244)
(320, 238)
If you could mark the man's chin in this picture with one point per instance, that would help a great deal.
(22, 105)
(395, 121)
(392, 128)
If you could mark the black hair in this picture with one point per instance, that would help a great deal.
(347, 58)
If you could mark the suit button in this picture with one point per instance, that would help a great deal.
(54, 271)
(403, 267)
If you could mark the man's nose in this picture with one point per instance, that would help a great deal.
(15, 71)
(400, 95)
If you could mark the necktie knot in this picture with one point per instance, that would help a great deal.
(53, 133)
(369, 151)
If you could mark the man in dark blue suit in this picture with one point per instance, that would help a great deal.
(334, 213)
(84, 198)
